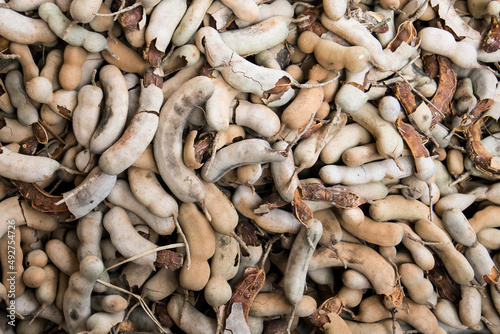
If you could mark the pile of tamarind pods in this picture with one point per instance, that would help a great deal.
(249, 166)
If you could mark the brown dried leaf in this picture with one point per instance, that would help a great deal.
(313, 128)
(131, 18)
(152, 55)
(406, 33)
(270, 202)
(404, 94)
(431, 66)
(275, 326)
(202, 145)
(28, 146)
(64, 112)
(412, 139)
(168, 259)
(306, 19)
(472, 116)
(40, 133)
(248, 233)
(483, 160)
(2, 122)
(41, 200)
(445, 287)
(207, 70)
(320, 317)
(339, 196)
(491, 42)
(151, 78)
(445, 90)
(318, 28)
(162, 315)
(281, 86)
(245, 292)
(493, 277)
(301, 210)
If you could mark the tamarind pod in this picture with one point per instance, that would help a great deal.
(245, 152)
(168, 146)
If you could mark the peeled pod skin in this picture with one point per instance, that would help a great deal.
(249, 166)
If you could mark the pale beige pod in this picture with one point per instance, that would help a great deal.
(125, 238)
(20, 28)
(11, 256)
(201, 239)
(188, 318)
(61, 256)
(77, 298)
(180, 179)
(122, 195)
(113, 121)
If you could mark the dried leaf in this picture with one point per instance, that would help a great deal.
(245, 292)
(445, 90)
(483, 160)
(404, 94)
(431, 66)
(28, 146)
(202, 145)
(41, 200)
(64, 112)
(491, 42)
(412, 139)
(332, 305)
(152, 55)
(131, 18)
(162, 315)
(281, 86)
(445, 287)
(339, 196)
(2, 122)
(446, 11)
(151, 78)
(248, 233)
(472, 116)
(406, 33)
(40, 133)
(306, 18)
(168, 259)
(318, 28)
(493, 277)
(237, 322)
(275, 326)
(301, 210)
(270, 202)
(315, 127)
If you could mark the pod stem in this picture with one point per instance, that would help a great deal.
(121, 10)
(243, 245)
(143, 303)
(290, 321)
(419, 94)
(149, 251)
(183, 237)
(321, 84)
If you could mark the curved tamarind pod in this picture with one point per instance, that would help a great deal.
(168, 147)
(245, 152)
